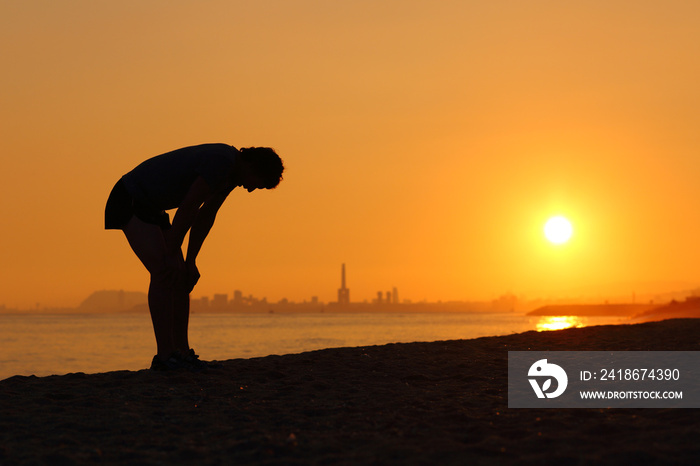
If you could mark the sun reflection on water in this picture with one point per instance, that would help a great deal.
(559, 323)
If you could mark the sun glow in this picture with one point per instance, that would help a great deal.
(558, 230)
(558, 323)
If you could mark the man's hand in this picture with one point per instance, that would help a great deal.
(174, 272)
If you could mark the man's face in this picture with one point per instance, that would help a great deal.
(252, 182)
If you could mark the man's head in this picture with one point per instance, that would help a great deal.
(265, 167)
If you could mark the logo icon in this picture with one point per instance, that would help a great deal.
(544, 369)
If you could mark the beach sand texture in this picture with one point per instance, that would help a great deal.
(415, 403)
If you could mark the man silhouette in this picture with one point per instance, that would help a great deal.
(196, 180)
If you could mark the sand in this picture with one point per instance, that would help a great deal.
(415, 403)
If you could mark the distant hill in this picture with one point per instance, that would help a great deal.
(675, 309)
(593, 310)
(114, 301)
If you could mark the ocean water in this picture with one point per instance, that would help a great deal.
(44, 344)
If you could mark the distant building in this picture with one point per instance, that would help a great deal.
(343, 291)
(380, 298)
(237, 298)
(199, 305)
(220, 301)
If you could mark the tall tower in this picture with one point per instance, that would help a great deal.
(343, 292)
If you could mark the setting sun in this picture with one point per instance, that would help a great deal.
(558, 230)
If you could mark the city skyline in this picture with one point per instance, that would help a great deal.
(118, 300)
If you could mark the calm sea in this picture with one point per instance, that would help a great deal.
(59, 344)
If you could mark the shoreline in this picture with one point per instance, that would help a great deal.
(107, 342)
(402, 403)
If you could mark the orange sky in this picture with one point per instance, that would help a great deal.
(426, 143)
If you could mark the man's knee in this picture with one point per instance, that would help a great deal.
(172, 278)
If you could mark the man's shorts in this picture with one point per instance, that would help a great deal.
(121, 207)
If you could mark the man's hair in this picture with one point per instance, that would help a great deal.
(266, 164)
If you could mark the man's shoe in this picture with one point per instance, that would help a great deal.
(171, 364)
(197, 364)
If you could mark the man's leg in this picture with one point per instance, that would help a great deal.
(181, 317)
(148, 243)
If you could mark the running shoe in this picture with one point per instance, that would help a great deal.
(192, 361)
(173, 363)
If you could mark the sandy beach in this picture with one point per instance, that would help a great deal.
(415, 403)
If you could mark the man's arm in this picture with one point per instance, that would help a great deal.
(186, 213)
(203, 222)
